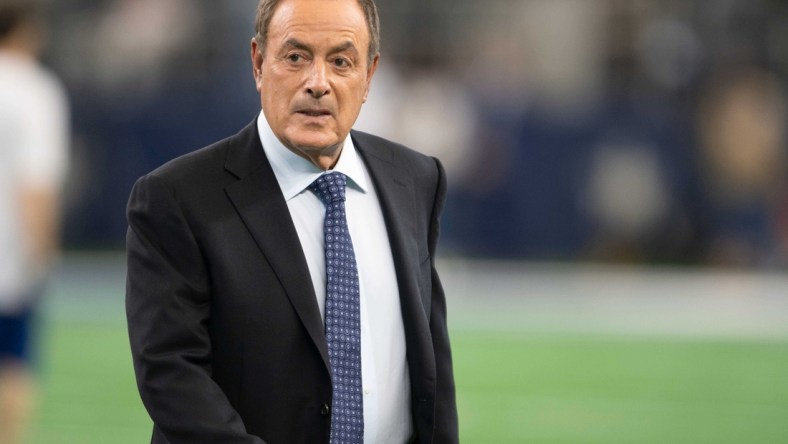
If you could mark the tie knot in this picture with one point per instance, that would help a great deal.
(330, 187)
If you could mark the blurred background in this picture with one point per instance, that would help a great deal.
(617, 224)
(626, 131)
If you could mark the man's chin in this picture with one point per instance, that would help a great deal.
(317, 145)
(318, 150)
(316, 142)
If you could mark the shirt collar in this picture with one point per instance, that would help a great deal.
(295, 174)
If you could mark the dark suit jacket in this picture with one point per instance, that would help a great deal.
(226, 336)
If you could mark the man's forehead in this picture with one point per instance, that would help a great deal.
(319, 13)
(327, 22)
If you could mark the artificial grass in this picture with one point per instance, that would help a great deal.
(512, 387)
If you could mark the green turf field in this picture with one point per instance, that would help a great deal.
(512, 388)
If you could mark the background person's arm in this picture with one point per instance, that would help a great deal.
(40, 211)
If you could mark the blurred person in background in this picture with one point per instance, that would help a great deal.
(33, 155)
(742, 152)
(251, 324)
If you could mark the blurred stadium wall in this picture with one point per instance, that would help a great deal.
(584, 129)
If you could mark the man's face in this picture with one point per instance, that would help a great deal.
(314, 75)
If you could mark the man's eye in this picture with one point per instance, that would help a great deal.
(341, 63)
(295, 58)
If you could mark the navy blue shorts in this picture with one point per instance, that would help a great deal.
(15, 336)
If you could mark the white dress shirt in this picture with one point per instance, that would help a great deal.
(384, 368)
(33, 156)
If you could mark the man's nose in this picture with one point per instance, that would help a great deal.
(317, 83)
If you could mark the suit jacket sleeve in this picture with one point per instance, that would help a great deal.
(446, 423)
(168, 304)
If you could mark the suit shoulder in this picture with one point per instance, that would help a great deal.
(193, 165)
(216, 163)
(395, 153)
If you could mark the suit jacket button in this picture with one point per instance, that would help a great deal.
(325, 409)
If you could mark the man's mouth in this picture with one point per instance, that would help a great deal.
(314, 112)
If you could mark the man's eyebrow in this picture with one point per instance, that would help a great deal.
(293, 43)
(342, 47)
(348, 45)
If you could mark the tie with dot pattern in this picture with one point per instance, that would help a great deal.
(343, 321)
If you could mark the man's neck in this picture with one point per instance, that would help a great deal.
(21, 43)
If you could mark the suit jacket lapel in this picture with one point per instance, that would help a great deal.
(396, 192)
(259, 201)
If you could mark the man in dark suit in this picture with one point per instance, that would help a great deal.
(240, 331)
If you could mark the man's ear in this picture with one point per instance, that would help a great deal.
(371, 72)
(257, 63)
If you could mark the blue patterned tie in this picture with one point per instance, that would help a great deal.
(343, 321)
